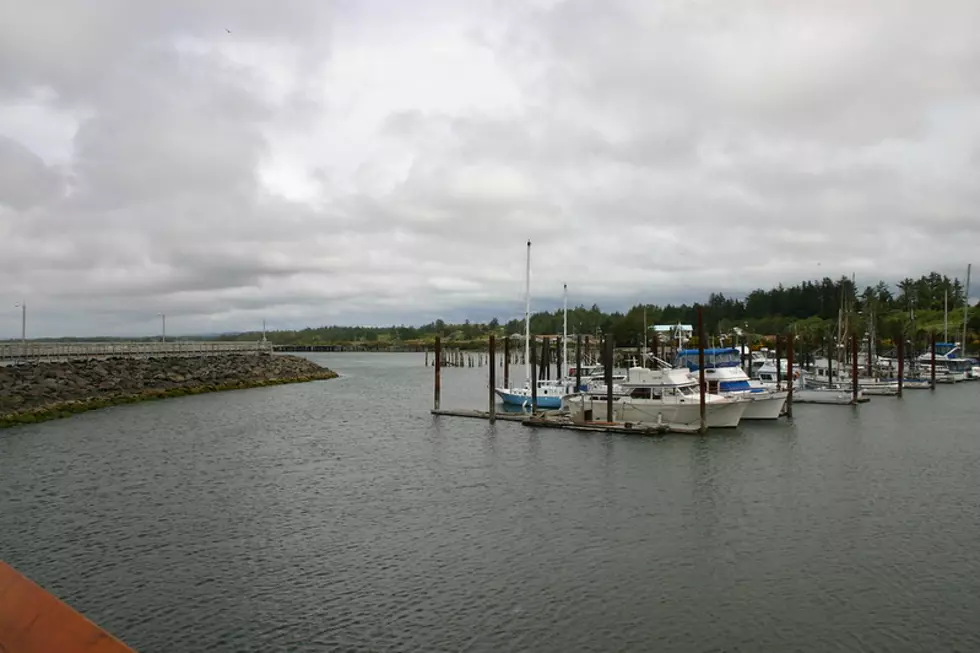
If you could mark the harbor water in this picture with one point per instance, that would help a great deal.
(341, 516)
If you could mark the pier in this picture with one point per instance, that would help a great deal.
(37, 351)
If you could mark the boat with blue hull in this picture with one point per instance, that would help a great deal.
(546, 394)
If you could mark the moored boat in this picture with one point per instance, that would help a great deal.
(724, 376)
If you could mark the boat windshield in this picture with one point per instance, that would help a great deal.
(715, 357)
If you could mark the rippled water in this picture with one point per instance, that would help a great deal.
(340, 515)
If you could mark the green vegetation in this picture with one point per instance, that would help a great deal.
(809, 309)
(72, 407)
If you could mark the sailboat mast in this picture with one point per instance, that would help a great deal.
(966, 308)
(564, 338)
(527, 316)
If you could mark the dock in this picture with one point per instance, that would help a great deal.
(557, 421)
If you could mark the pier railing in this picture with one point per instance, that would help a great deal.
(33, 351)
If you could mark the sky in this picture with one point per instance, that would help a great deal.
(381, 161)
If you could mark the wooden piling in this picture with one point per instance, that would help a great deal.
(608, 369)
(558, 361)
(437, 383)
(779, 365)
(491, 346)
(901, 363)
(932, 372)
(789, 375)
(578, 362)
(506, 362)
(870, 347)
(534, 377)
(831, 351)
(701, 383)
(854, 367)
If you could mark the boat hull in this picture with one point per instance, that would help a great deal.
(719, 414)
(520, 398)
(826, 396)
(764, 406)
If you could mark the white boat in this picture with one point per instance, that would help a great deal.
(767, 376)
(950, 367)
(724, 375)
(828, 396)
(803, 392)
(830, 375)
(545, 394)
(659, 396)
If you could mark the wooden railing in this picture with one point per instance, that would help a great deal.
(31, 351)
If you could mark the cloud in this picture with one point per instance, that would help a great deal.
(379, 162)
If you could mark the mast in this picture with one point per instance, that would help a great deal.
(564, 338)
(644, 334)
(966, 309)
(527, 316)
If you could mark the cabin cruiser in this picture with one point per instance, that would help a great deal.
(950, 366)
(724, 375)
(654, 396)
(832, 374)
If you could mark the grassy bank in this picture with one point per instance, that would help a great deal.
(62, 409)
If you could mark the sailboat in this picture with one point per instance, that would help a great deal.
(549, 393)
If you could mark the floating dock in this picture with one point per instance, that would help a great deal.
(561, 422)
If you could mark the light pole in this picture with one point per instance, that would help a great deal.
(163, 325)
(23, 322)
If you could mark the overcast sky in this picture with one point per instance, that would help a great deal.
(385, 161)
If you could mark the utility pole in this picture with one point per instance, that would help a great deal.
(163, 327)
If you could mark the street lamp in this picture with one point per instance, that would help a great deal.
(23, 322)
(163, 324)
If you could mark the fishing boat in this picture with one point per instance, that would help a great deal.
(657, 396)
(724, 375)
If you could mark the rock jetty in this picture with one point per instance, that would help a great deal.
(47, 390)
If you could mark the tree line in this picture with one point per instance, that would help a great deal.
(810, 308)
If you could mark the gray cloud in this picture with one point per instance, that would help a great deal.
(230, 161)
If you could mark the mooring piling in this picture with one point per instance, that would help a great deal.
(534, 377)
(437, 383)
(608, 369)
(854, 367)
(932, 373)
(701, 383)
(779, 366)
(578, 362)
(789, 375)
(901, 363)
(506, 362)
(491, 346)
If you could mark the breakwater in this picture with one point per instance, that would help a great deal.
(47, 390)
